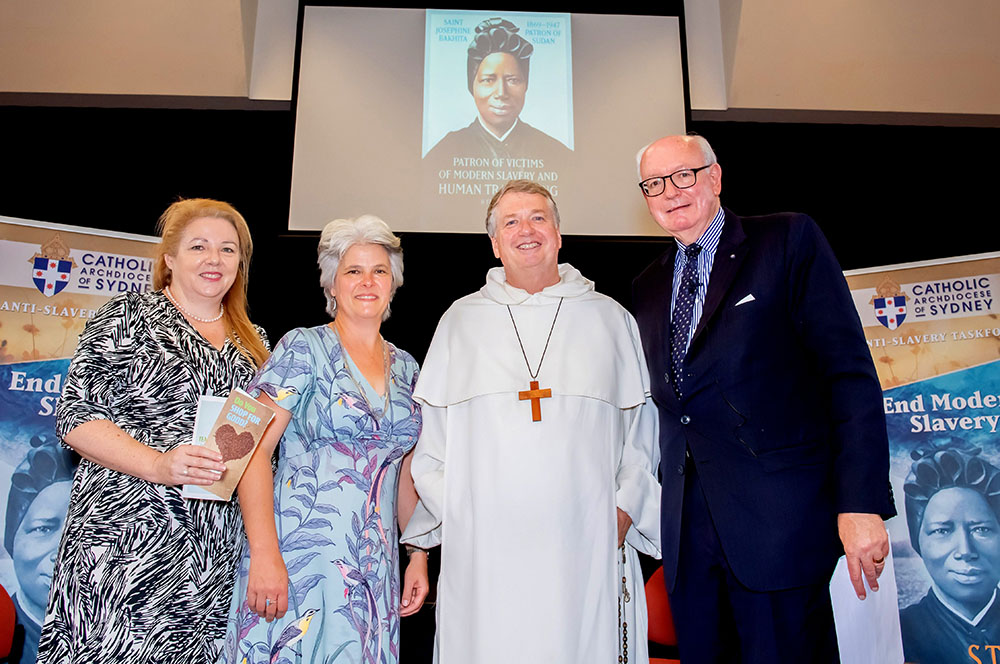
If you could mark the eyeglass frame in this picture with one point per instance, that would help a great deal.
(671, 178)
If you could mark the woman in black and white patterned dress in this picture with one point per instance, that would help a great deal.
(144, 575)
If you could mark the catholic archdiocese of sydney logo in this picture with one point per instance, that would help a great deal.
(51, 266)
(889, 303)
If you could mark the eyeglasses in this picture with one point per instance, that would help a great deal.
(682, 179)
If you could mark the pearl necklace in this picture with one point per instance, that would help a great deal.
(170, 296)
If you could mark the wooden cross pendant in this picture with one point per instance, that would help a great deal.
(536, 395)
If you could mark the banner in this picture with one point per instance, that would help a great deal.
(934, 333)
(53, 279)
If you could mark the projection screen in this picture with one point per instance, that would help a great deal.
(397, 116)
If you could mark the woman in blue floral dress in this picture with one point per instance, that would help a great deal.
(319, 581)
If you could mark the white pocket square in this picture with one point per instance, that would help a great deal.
(748, 298)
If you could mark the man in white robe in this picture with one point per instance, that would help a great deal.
(537, 458)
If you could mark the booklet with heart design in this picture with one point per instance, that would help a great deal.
(236, 427)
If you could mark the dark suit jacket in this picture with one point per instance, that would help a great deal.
(782, 409)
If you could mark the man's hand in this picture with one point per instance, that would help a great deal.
(415, 584)
(866, 544)
(624, 523)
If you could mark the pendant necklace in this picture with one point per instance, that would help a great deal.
(534, 394)
(170, 296)
(377, 414)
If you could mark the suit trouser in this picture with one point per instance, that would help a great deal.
(718, 619)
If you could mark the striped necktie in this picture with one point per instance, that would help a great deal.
(680, 322)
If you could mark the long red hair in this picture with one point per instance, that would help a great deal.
(171, 227)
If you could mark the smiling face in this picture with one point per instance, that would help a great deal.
(36, 543)
(960, 546)
(499, 90)
(683, 213)
(527, 240)
(206, 261)
(363, 283)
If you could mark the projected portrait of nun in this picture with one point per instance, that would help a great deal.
(36, 511)
(952, 507)
(498, 70)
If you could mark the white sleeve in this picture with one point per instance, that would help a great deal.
(638, 490)
(427, 468)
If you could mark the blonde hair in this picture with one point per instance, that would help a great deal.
(171, 226)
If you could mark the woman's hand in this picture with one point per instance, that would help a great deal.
(267, 586)
(415, 584)
(104, 443)
(188, 464)
(268, 575)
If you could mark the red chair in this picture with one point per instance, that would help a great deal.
(661, 620)
(8, 619)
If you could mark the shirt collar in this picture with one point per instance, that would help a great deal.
(504, 137)
(976, 619)
(38, 620)
(709, 240)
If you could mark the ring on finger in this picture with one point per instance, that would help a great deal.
(879, 561)
(185, 471)
(267, 602)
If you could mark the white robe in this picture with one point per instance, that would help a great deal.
(525, 511)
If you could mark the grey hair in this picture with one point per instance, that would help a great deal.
(706, 151)
(518, 187)
(340, 235)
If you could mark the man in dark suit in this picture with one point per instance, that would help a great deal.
(774, 456)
